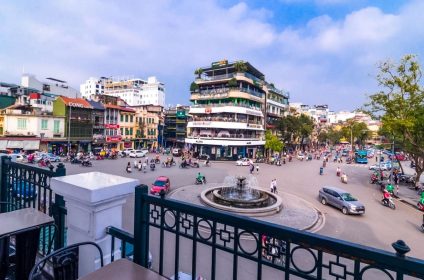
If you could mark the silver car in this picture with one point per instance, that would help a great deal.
(341, 199)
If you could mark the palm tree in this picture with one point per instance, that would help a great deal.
(240, 66)
(198, 72)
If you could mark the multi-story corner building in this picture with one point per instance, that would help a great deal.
(98, 113)
(149, 132)
(78, 123)
(127, 123)
(23, 127)
(227, 111)
(137, 92)
(277, 102)
(175, 130)
(50, 86)
(92, 87)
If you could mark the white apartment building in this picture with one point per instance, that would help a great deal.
(50, 86)
(92, 87)
(136, 92)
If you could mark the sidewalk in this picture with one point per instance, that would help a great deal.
(408, 196)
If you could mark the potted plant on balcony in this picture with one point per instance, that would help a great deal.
(198, 72)
(232, 83)
(194, 87)
(240, 66)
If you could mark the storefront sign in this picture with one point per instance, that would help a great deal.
(112, 126)
(251, 112)
(199, 141)
(253, 125)
(220, 63)
(73, 104)
(113, 138)
(202, 123)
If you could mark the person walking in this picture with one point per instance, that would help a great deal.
(271, 186)
(257, 168)
(251, 167)
(275, 185)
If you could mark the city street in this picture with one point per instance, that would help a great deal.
(378, 227)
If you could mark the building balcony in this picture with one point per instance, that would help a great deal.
(226, 125)
(224, 93)
(229, 107)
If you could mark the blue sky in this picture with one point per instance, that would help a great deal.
(321, 51)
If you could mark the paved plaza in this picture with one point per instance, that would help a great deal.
(378, 227)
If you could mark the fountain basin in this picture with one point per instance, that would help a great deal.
(267, 203)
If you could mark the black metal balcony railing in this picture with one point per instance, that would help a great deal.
(25, 186)
(219, 245)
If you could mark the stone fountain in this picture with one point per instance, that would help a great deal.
(241, 194)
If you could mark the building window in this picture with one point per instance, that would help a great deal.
(22, 123)
(44, 124)
(122, 131)
(56, 125)
(131, 118)
(122, 118)
(131, 131)
(126, 118)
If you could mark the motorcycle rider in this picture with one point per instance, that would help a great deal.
(200, 178)
(344, 178)
(128, 169)
(386, 197)
(338, 171)
(139, 165)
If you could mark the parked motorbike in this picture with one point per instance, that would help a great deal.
(86, 163)
(184, 165)
(152, 167)
(373, 179)
(200, 181)
(420, 206)
(389, 203)
(75, 161)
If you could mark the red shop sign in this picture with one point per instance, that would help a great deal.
(113, 138)
(113, 126)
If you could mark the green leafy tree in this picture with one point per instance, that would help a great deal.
(272, 143)
(306, 126)
(295, 129)
(400, 104)
(358, 131)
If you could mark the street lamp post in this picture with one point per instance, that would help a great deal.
(69, 129)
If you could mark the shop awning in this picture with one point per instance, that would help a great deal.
(31, 145)
(3, 144)
(14, 144)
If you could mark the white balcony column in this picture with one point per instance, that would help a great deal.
(94, 201)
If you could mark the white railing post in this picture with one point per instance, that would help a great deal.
(93, 201)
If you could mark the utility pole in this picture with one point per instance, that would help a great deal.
(392, 161)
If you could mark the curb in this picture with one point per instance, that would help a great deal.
(408, 203)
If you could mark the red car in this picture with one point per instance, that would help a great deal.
(161, 183)
(400, 156)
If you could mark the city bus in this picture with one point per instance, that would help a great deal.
(361, 156)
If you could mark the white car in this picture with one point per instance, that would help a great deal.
(127, 151)
(382, 166)
(300, 156)
(243, 162)
(137, 154)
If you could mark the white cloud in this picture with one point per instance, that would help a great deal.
(326, 60)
